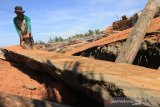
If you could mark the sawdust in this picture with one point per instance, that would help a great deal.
(17, 80)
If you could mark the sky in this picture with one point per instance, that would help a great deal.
(50, 18)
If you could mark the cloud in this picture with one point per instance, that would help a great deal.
(65, 33)
(55, 15)
(67, 22)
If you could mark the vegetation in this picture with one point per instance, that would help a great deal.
(39, 42)
(59, 39)
(89, 33)
(56, 39)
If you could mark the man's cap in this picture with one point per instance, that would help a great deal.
(19, 9)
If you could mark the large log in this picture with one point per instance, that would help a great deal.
(8, 100)
(155, 25)
(130, 49)
(100, 80)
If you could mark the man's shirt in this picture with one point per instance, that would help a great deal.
(22, 26)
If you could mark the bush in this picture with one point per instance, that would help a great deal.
(59, 38)
(55, 39)
(89, 33)
(39, 42)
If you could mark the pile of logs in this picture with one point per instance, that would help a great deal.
(101, 83)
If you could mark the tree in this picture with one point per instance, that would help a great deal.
(50, 40)
(90, 32)
(129, 50)
(39, 42)
(86, 34)
(58, 39)
(78, 35)
(97, 31)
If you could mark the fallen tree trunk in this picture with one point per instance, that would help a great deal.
(8, 100)
(100, 80)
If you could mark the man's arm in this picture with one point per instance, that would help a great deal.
(17, 29)
(28, 24)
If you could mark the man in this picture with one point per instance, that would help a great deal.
(23, 26)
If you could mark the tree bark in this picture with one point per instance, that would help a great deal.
(129, 50)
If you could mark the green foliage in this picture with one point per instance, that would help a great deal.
(98, 32)
(77, 36)
(39, 42)
(59, 38)
(50, 40)
(55, 39)
(86, 34)
(89, 33)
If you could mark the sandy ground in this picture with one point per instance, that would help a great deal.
(20, 81)
(16, 79)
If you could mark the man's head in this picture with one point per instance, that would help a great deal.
(19, 11)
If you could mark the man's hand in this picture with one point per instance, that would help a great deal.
(21, 38)
(27, 35)
(21, 41)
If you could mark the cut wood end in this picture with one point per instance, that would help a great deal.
(2, 56)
